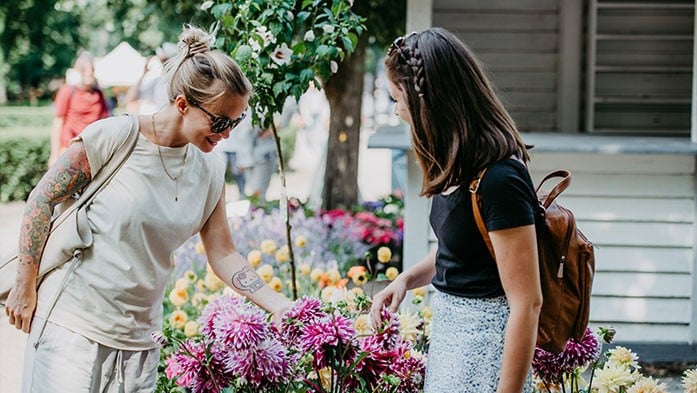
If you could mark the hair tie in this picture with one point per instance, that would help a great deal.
(195, 48)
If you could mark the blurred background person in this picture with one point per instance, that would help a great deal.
(149, 94)
(78, 103)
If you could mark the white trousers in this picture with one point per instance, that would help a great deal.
(66, 362)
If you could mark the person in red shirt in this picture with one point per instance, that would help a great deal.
(78, 103)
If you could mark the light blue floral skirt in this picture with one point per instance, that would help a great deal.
(466, 347)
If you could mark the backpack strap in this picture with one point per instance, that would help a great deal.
(476, 200)
(558, 189)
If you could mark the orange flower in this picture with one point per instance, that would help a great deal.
(356, 270)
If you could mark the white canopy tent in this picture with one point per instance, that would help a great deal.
(120, 67)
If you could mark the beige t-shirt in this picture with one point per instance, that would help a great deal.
(114, 297)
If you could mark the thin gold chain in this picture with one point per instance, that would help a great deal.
(159, 153)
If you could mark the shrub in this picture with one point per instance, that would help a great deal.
(22, 163)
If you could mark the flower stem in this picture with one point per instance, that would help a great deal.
(284, 207)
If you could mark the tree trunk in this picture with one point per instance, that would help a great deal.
(344, 91)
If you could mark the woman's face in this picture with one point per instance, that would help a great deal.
(401, 108)
(202, 135)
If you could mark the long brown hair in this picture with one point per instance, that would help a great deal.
(459, 124)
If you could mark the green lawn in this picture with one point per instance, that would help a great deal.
(25, 121)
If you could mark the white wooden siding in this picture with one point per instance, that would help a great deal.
(518, 42)
(639, 210)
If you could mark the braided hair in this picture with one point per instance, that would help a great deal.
(459, 124)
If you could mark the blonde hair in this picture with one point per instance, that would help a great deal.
(200, 73)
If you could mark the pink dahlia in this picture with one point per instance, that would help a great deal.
(377, 360)
(267, 363)
(304, 311)
(193, 368)
(546, 366)
(328, 339)
(388, 330)
(239, 326)
(211, 311)
(411, 371)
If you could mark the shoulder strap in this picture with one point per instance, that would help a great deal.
(476, 200)
(106, 173)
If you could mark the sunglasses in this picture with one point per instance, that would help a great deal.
(220, 123)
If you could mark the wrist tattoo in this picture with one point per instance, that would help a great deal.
(247, 280)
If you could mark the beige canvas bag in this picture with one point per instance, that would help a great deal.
(70, 232)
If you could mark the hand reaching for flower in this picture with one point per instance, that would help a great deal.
(390, 297)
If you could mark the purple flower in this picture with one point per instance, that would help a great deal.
(193, 369)
(546, 366)
(550, 367)
(411, 370)
(212, 310)
(304, 311)
(239, 325)
(377, 360)
(329, 339)
(267, 363)
(578, 354)
(388, 331)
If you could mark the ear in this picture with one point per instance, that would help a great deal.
(181, 103)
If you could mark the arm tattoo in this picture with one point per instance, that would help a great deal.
(247, 280)
(70, 174)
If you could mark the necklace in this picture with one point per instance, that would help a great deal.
(175, 179)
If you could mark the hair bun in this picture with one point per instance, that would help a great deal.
(194, 40)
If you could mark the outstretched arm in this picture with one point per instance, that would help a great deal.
(417, 276)
(68, 175)
(233, 268)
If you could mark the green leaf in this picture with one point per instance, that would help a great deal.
(242, 53)
(219, 10)
(322, 50)
(348, 45)
(302, 16)
(306, 75)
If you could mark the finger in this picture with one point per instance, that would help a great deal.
(394, 305)
(26, 323)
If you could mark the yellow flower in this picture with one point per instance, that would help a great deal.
(327, 294)
(391, 273)
(254, 258)
(357, 291)
(689, 381)
(304, 269)
(427, 313)
(178, 296)
(359, 278)
(198, 298)
(622, 356)
(384, 254)
(276, 284)
(265, 272)
(648, 385)
(316, 274)
(409, 326)
(212, 282)
(282, 255)
(199, 248)
(610, 377)
(268, 247)
(362, 324)
(191, 329)
(421, 291)
(200, 285)
(178, 319)
(181, 283)
(300, 241)
(325, 377)
(334, 276)
(190, 275)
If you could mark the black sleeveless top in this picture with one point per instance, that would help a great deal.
(464, 266)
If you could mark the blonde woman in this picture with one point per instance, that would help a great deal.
(97, 337)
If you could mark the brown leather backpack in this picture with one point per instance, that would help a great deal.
(567, 264)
